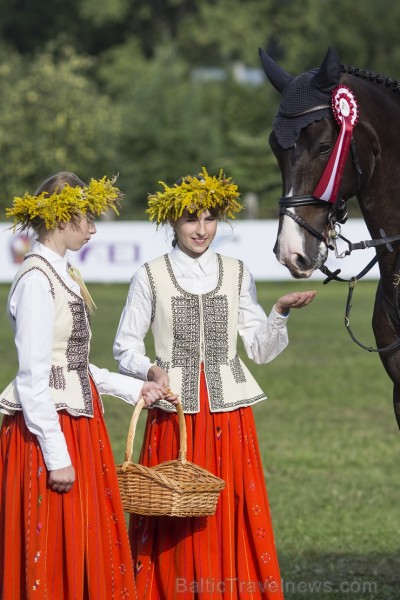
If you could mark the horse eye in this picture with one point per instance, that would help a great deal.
(325, 148)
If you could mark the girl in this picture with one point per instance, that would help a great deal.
(62, 526)
(196, 302)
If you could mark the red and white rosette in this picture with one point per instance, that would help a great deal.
(345, 110)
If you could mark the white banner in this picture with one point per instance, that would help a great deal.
(119, 248)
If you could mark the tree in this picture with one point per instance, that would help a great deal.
(176, 122)
(112, 86)
(169, 130)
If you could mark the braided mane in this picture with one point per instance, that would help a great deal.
(373, 77)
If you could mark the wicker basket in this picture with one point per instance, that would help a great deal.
(175, 488)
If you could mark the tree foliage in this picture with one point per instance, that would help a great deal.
(52, 117)
(153, 90)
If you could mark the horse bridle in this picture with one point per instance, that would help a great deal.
(338, 215)
(338, 210)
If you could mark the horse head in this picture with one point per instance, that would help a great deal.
(303, 136)
(318, 110)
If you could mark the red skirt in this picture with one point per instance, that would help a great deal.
(62, 546)
(229, 555)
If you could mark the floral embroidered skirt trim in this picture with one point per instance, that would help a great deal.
(62, 546)
(230, 555)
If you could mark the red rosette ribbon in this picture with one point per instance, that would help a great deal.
(345, 110)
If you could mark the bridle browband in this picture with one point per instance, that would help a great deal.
(304, 112)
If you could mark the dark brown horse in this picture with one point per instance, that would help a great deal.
(304, 134)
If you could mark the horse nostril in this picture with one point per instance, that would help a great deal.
(302, 262)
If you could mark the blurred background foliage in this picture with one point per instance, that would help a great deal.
(154, 89)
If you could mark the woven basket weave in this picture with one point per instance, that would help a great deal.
(176, 488)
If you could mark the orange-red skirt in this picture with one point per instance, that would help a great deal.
(62, 546)
(230, 555)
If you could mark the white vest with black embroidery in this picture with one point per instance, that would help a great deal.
(191, 329)
(69, 382)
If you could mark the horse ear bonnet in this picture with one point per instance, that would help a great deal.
(302, 96)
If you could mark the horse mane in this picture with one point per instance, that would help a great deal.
(373, 77)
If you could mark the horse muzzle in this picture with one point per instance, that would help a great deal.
(302, 249)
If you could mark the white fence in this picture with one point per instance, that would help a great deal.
(119, 248)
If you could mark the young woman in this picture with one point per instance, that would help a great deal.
(62, 527)
(196, 302)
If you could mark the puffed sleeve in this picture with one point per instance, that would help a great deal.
(129, 348)
(32, 308)
(263, 337)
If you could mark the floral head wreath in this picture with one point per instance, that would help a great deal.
(195, 195)
(95, 198)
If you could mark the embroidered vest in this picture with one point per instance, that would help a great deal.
(189, 328)
(69, 376)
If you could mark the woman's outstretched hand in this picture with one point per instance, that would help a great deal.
(294, 300)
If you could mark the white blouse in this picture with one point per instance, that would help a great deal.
(31, 313)
(263, 337)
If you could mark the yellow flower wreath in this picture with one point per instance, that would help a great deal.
(195, 196)
(95, 198)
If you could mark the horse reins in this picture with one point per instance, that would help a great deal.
(392, 306)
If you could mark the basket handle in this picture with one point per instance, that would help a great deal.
(132, 430)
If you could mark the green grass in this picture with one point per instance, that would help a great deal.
(328, 438)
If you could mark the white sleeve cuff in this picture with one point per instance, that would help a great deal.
(278, 317)
(55, 451)
(139, 370)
